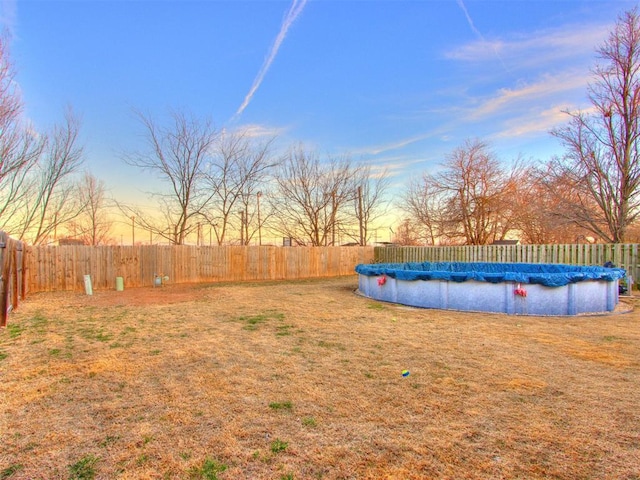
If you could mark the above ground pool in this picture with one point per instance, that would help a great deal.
(513, 288)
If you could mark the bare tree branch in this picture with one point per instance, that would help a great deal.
(369, 203)
(93, 224)
(602, 162)
(52, 201)
(178, 155)
(310, 196)
(238, 170)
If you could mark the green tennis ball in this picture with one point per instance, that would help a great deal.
(405, 373)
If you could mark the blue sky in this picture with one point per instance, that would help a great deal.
(392, 83)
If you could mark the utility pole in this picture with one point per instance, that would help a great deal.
(133, 230)
(258, 195)
(360, 219)
(333, 218)
(246, 224)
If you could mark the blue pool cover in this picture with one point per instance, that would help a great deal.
(550, 275)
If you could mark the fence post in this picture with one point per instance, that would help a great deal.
(16, 276)
(4, 280)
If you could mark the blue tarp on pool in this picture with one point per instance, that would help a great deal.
(550, 275)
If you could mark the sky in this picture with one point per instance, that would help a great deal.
(392, 83)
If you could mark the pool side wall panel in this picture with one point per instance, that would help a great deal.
(572, 299)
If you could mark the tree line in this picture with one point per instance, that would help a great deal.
(588, 194)
(230, 182)
(237, 187)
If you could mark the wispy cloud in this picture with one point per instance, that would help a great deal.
(296, 8)
(258, 131)
(548, 87)
(395, 145)
(396, 165)
(534, 123)
(541, 47)
(479, 34)
(530, 108)
(554, 68)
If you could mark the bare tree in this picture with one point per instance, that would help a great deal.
(602, 165)
(51, 200)
(476, 194)
(424, 206)
(20, 148)
(36, 170)
(237, 172)
(369, 203)
(255, 214)
(177, 154)
(407, 233)
(309, 197)
(93, 224)
(541, 218)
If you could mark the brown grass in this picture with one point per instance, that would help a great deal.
(162, 383)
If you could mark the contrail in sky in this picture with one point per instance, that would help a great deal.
(292, 14)
(477, 32)
(469, 20)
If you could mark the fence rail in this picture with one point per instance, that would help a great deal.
(624, 255)
(64, 267)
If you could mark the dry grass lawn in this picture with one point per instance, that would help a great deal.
(302, 380)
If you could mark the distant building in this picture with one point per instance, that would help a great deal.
(70, 241)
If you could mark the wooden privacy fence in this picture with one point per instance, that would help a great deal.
(36, 269)
(12, 279)
(65, 267)
(624, 255)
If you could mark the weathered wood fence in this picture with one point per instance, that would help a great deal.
(64, 267)
(12, 279)
(624, 255)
